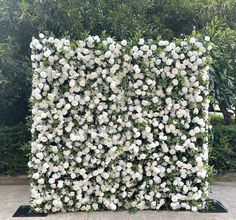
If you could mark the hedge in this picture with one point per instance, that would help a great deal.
(12, 149)
(222, 148)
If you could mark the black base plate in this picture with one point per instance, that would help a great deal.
(24, 211)
(214, 206)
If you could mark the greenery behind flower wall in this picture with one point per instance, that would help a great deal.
(22, 19)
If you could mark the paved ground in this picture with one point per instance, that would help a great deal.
(12, 196)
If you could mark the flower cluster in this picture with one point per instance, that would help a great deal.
(119, 125)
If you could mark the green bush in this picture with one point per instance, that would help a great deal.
(222, 148)
(216, 119)
(12, 149)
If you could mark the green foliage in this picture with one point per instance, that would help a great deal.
(222, 148)
(22, 19)
(216, 119)
(223, 69)
(13, 150)
(15, 67)
(15, 89)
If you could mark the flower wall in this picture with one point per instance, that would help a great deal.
(119, 125)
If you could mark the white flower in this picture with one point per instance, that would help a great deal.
(35, 42)
(73, 137)
(199, 99)
(207, 38)
(178, 147)
(123, 43)
(43, 74)
(209, 47)
(155, 99)
(36, 176)
(41, 35)
(192, 40)
(112, 206)
(184, 90)
(60, 184)
(168, 101)
(39, 46)
(47, 53)
(41, 181)
(95, 206)
(175, 82)
(157, 179)
(145, 48)
(108, 54)
(153, 47)
(72, 83)
(141, 41)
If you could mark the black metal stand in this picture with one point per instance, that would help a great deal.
(214, 206)
(25, 211)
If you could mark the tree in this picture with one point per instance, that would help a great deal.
(22, 19)
(223, 70)
(15, 71)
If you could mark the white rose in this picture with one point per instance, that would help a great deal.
(123, 43)
(112, 206)
(43, 74)
(35, 176)
(184, 90)
(175, 82)
(192, 40)
(141, 41)
(207, 38)
(60, 184)
(41, 181)
(174, 198)
(47, 53)
(153, 47)
(108, 54)
(39, 46)
(41, 35)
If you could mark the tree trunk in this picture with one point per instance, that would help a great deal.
(235, 114)
(211, 107)
(226, 114)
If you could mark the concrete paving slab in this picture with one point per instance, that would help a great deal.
(12, 196)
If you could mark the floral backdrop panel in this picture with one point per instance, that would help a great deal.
(119, 125)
